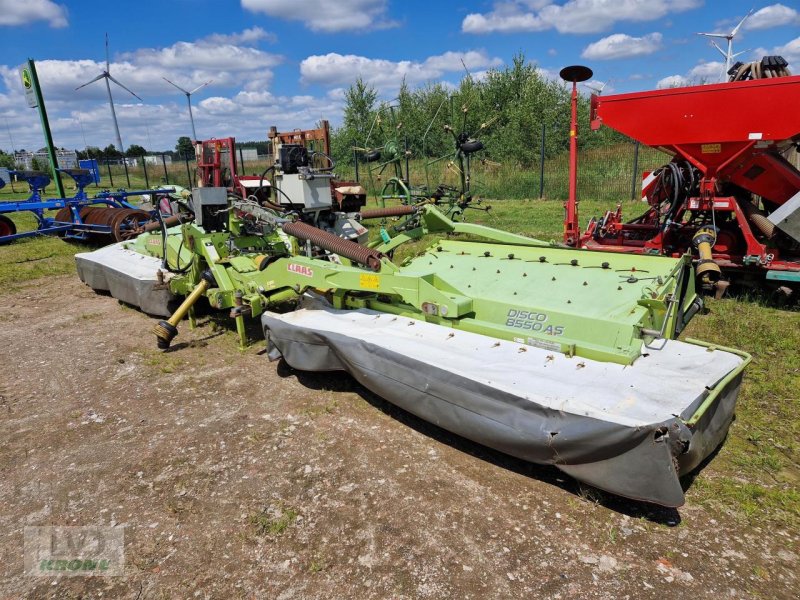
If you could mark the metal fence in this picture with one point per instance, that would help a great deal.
(609, 173)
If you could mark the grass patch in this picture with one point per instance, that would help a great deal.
(33, 258)
(759, 464)
(272, 521)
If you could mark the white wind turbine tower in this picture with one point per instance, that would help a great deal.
(729, 55)
(107, 76)
(189, 101)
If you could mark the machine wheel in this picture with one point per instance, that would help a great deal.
(7, 227)
(128, 223)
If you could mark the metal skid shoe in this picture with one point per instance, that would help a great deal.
(167, 330)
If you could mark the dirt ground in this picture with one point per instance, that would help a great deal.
(234, 477)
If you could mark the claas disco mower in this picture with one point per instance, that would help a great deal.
(554, 355)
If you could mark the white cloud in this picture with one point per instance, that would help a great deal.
(773, 15)
(22, 12)
(574, 16)
(246, 37)
(672, 81)
(340, 70)
(707, 72)
(620, 45)
(189, 64)
(204, 55)
(239, 70)
(703, 73)
(790, 51)
(326, 15)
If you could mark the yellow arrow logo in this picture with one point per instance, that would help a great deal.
(26, 79)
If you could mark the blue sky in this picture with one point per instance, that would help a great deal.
(287, 62)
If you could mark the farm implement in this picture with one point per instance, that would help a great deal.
(554, 355)
(392, 157)
(729, 195)
(106, 217)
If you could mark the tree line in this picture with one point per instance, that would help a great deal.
(506, 109)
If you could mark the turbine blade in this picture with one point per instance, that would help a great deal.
(199, 87)
(719, 35)
(740, 53)
(123, 87)
(107, 62)
(175, 85)
(721, 51)
(736, 29)
(98, 78)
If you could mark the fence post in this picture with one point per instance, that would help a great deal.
(635, 175)
(127, 177)
(164, 164)
(146, 180)
(188, 173)
(355, 162)
(110, 176)
(541, 163)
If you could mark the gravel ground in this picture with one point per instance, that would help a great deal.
(234, 477)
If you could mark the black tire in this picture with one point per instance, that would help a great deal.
(471, 146)
(7, 227)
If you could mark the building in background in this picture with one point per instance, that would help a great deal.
(155, 159)
(67, 159)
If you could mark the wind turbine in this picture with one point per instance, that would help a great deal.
(107, 75)
(729, 55)
(597, 88)
(189, 101)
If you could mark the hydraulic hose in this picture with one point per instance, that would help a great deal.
(333, 243)
(757, 217)
(389, 211)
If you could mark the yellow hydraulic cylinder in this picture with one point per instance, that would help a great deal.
(166, 330)
(707, 269)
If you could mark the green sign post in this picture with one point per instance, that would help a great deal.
(33, 94)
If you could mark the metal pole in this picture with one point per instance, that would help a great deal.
(146, 181)
(634, 176)
(48, 137)
(571, 225)
(188, 173)
(355, 162)
(241, 159)
(191, 118)
(127, 176)
(110, 176)
(164, 163)
(541, 163)
(405, 147)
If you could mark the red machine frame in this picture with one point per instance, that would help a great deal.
(216, 164)
(733, 134)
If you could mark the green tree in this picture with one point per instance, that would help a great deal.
(38, 165)
(359, 113)
(6, 160)
(184, 147)
(110, 151)
(136, 150)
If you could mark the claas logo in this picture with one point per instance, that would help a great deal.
(26, 79)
